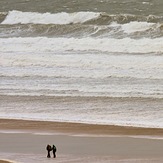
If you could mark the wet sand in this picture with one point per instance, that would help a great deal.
(76, 128)
(5, 161)
(25, 141)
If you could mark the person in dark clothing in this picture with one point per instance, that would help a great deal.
(54, 151)
(48, 148)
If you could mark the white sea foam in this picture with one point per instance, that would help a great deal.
(18, 17)
(86, 66)
(15, 17)
(78, 70)
(137, 26)
(42, 44)
(81, 65)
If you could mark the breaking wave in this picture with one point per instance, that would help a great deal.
(114, 30)
(16, 17)
(80, 24)
(19, 17)
(2, 16)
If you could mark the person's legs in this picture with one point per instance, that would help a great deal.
(54, 154)
(48, 154)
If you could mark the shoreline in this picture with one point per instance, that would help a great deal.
(60, 103)
(24, 141)
(77, 128)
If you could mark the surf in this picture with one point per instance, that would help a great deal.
(109, 45)
(16, 17)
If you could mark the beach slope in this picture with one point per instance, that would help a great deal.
(27, 140)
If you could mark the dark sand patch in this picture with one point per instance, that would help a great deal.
(77, 128)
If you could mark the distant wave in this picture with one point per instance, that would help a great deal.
(19, 17)
(79, 24)
(16, 17)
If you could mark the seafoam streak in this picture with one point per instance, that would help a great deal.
(43, 44)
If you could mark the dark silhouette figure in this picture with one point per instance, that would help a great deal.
(54, 151)
(48, 148)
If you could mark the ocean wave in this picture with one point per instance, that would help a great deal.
(16, 17)
(19, 17)
(48, 30)
(109, 45)
(105, 19)
(80, 24)
(114, 30)
(3, 16)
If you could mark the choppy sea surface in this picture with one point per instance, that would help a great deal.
(89, 61)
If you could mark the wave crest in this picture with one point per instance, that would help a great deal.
(16, 17)
(2, 16)
(19, 17)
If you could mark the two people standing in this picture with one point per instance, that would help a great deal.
(50, 148)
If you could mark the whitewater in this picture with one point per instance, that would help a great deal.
(82, 66)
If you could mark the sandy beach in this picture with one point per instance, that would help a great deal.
(25, 141)
(83, 75)
(4, 161)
